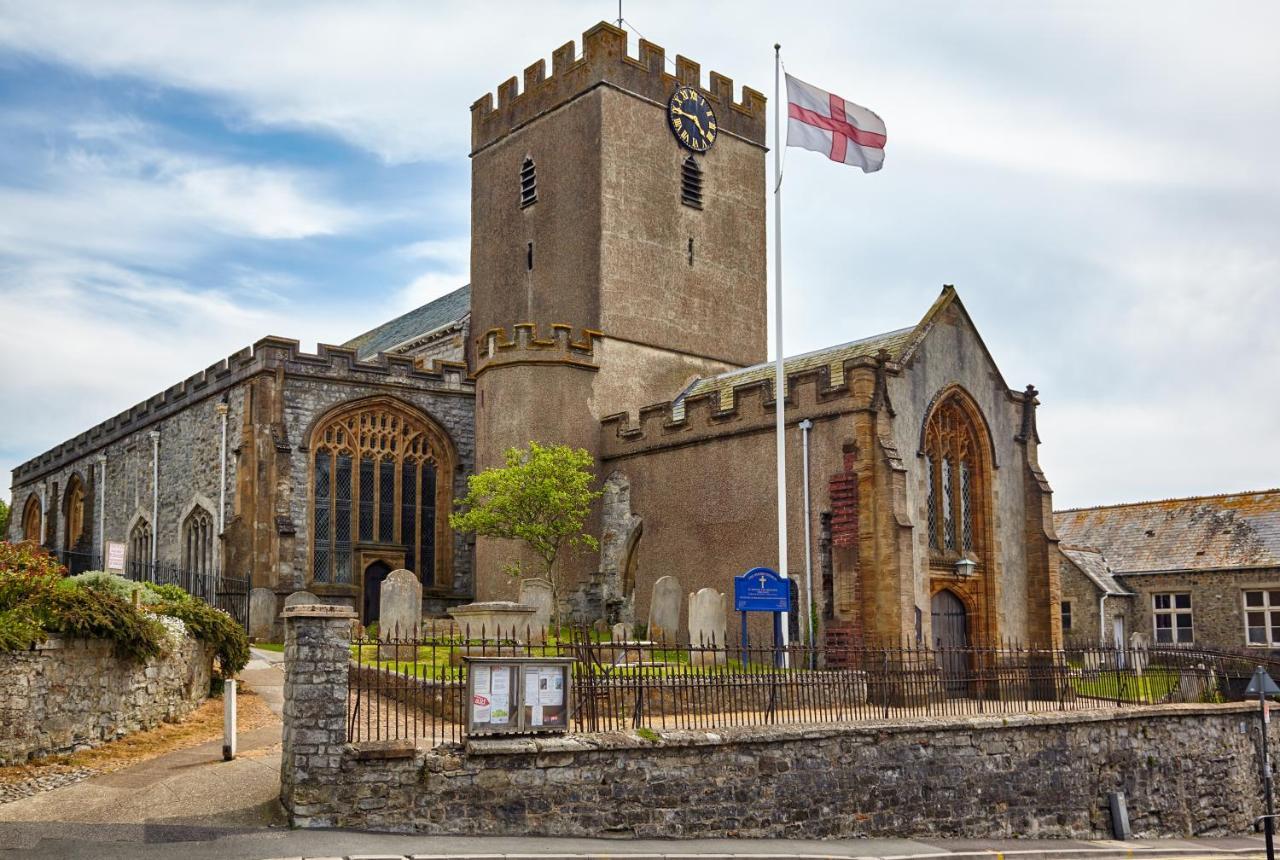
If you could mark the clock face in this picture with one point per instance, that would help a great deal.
(692, 120)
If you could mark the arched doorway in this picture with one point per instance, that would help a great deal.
(374, 574)
(31, 520)
(950, 636)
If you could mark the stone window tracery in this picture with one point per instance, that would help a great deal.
(140, 545)
(954, 471)
(197, 542)
(374, 481)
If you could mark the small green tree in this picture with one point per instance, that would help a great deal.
(541, 497)
(4, 519)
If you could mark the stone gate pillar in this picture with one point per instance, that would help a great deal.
(317, 638)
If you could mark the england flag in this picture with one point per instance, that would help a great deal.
(839, 129)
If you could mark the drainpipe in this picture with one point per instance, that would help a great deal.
(805, 426)
(102, 508)
(1102, 619)
(155, 498)
(221, 409)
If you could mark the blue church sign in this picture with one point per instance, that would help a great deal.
(761, 590)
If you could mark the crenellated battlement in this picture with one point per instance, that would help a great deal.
(495, 348)
(705, 411)
(604, 59)
(266, 355)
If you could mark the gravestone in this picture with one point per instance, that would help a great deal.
(621, 632)
(1138, 648)
(537, 593)
(706, 626)
(262, 613)
(664, 610)
(399, 612)
(301, 598)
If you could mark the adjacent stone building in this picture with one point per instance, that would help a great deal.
(1202, 571)
(617, 304)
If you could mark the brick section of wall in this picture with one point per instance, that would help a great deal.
(845, 536)
(1186, 769)
(315, 710)
(66, 695)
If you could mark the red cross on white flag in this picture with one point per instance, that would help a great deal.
(826, 123)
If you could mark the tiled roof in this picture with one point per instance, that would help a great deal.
(444, 310)
(1093, 564)
(833, 357)
(1238, 530)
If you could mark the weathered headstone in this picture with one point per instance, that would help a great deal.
(621, 632)
(1138, 648)
(399, 613)
(537, 593)
(301, 598)
(262, 613)
(707, 626)
(664, 610)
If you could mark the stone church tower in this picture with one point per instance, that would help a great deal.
(611, 266)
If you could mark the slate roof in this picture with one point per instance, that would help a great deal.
(833, 357)
(1093, 564)
(1238, 530)
(444, 310)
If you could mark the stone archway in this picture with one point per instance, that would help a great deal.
(371, 606)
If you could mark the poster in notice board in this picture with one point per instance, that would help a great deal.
(491, 687)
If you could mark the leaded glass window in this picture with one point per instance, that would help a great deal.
(366, 498)
(932, 480)
(948, 518)
(387, 501)
(952, 455)
(374, 482)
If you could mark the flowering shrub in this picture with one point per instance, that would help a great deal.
(37, 601)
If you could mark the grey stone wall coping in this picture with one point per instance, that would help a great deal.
(318, 610)
(774, 734)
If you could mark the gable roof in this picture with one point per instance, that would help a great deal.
(1235, 530)
(449, 308)
(1093, 564)
(900, 344)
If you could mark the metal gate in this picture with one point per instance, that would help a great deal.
(950, 639)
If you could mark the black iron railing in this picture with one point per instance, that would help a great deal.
(415, 688)
(228, 593)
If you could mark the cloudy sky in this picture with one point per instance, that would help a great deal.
(1098, 180)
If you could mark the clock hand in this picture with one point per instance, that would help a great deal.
(694, 117)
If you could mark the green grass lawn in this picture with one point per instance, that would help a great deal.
(1152, 686)
(278, 647)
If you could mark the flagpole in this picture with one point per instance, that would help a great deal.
(779, 375)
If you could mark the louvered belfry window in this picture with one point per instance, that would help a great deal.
(955, 481)
(691, 183)
(528, 184)
(374, 482)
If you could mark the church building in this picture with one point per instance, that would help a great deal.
(618, 304)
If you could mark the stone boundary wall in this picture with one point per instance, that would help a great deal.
(1185, 769)
(67, 695)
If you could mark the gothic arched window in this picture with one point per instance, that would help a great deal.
(953, 460)
(140, 546)
(381, 471)
(31, 520)
(74, 519)
(197, 541)
(528, 183)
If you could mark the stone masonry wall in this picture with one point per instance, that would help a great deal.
(1185, 769)
(66, 695)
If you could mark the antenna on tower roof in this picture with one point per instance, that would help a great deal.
(619, 14)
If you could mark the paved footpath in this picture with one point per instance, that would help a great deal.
(191, 805)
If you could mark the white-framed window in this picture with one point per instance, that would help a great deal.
(1066, 615)
(1171, 616)
(1262, 617)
